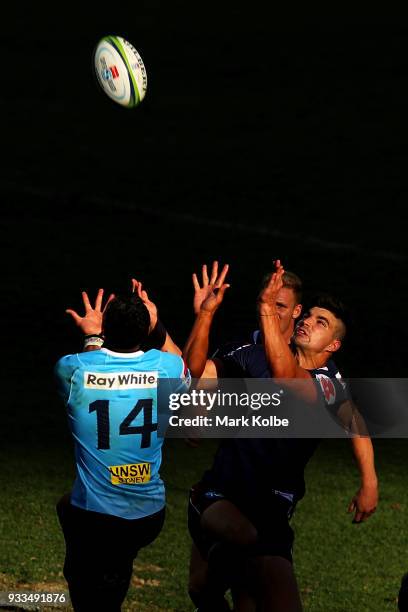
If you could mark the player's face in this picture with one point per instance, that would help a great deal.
(317, 331)
(288, 309)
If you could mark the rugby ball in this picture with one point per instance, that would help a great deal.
(120, 71)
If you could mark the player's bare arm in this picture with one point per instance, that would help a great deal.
(364, 503)
(169, 345)
(280, 358)
(207, 298)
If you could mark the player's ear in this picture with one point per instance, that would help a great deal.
(297, 311)
(334, 346)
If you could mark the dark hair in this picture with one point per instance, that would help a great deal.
(336, 307)
(126, 322)
(290, 281)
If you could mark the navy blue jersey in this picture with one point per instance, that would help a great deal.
(254, 338)
(249, 471)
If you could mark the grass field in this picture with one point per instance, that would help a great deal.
(340, 566)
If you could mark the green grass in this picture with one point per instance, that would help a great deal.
(340, 566)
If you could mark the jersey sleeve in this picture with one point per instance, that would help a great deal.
(331, 386)
(184, 376)
(177, 371)
(63, 371)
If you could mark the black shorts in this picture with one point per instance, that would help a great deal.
(270, 519)
(100, 550)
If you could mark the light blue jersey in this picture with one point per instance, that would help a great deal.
(112, 412)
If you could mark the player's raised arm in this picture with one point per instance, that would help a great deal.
(158, 335)
(281, 360)
(207, 298)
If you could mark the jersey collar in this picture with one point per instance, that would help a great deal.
(124, 355)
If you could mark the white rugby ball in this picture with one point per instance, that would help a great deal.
(120, 71)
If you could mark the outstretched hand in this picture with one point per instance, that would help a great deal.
(209, 295)
(151, 307)
(91, 322)
(268, 296)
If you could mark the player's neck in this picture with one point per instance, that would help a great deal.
(310, 360)
(289, 333)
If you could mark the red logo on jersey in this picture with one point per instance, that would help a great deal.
(185, 369)
(114, 72)
(328, 388)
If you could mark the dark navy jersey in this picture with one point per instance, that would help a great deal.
(249, 471)
(229, 347)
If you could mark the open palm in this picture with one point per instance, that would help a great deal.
(209, 295)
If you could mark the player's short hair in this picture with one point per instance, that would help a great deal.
(126, 322)
(290, 281)
(337, 308)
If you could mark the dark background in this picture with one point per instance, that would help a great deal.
(261, 135)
